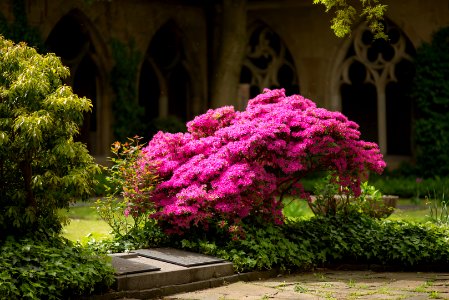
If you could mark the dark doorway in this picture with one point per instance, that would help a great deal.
(70, 40)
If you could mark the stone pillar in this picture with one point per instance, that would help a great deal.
(232, 42)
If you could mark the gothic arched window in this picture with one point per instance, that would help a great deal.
(164, 85)
(374, 81)
(267, 64)
(71, 41)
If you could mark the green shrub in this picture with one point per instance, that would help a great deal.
(123, 208)
(128, 114)
(438, 208)
(411, 187)
(42, 168)
(330, 199)
(320, 241)
(431, 92)
(103, 185)
(40, 268)
(360, 239)
(402, 187)
(261, 249)
(392, 183)
(148, 236)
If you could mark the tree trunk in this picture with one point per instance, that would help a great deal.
(27, 175)
(2, 180)
(231, 51)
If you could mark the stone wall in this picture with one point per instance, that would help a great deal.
(303, 28)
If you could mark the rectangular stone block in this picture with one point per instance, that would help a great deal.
(178, 257)
(124, 266)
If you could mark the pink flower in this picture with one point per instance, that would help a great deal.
(232, 165)
(126, 212)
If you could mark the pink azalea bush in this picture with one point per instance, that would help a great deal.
(232, 166)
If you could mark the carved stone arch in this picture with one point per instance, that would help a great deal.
(165, 79)
(76, 41)
(267, 64)
(371, 86)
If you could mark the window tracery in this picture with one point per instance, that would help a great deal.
(374, 81)
(267, 64)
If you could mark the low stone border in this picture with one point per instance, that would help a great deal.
(184, 288)
(168, 290)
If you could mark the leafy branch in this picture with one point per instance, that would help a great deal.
(345, 15)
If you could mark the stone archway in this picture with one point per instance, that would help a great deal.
(372, 87)
(165, 83)
(268, 64)
(72, 40)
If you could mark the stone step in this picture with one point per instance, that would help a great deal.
(146, 269)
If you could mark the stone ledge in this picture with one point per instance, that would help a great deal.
(155, 293)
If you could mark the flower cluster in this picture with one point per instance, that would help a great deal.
(232, 165)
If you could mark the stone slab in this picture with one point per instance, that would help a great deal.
(178, 257)
(157, 279)
(124, 266)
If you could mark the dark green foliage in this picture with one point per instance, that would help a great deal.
(354, 239)
(122, 207)
(431, 92)
(262, 248)
(147, 236)
(128, 114)
(102, 185)
(402, 187)
(270, 247)
(411, 187)
(359, 239)
(40, 268)
(19, 30)
(169, 124)
(42, 168)
(302, 244)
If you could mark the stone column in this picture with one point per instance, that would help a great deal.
(232, 42)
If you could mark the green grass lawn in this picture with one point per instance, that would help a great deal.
(409, 211)
(297, 209)
(85, 223)
(406, 210)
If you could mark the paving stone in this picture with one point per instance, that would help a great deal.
(178, 257)
(124, 266)
(339, 285)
